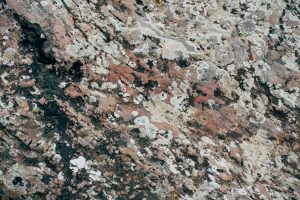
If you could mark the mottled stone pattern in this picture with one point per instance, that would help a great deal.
(149, 99)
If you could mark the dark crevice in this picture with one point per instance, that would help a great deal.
(265, 89)
(34, 40)
(76, 72)
(183, 63)
(47, 80)
(18, 181)
(240, 77)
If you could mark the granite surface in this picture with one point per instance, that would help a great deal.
(149, 99)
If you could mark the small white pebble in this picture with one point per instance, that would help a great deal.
(61, 176)
(131, 64)
(94, 85)
(135, 113)
(141, 121)
(187, 173)
(44, 3)
(95, 175)
(92, 99)
(163, 96)
(79, 162)
(94, 1)
(62, 85)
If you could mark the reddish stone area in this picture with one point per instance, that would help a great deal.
(144, 99)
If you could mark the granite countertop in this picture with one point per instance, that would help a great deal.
(149, 99)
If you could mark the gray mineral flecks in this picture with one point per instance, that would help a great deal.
(149, 99)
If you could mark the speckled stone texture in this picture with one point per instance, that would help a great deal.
(149, 99)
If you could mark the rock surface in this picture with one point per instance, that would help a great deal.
(149, 99)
